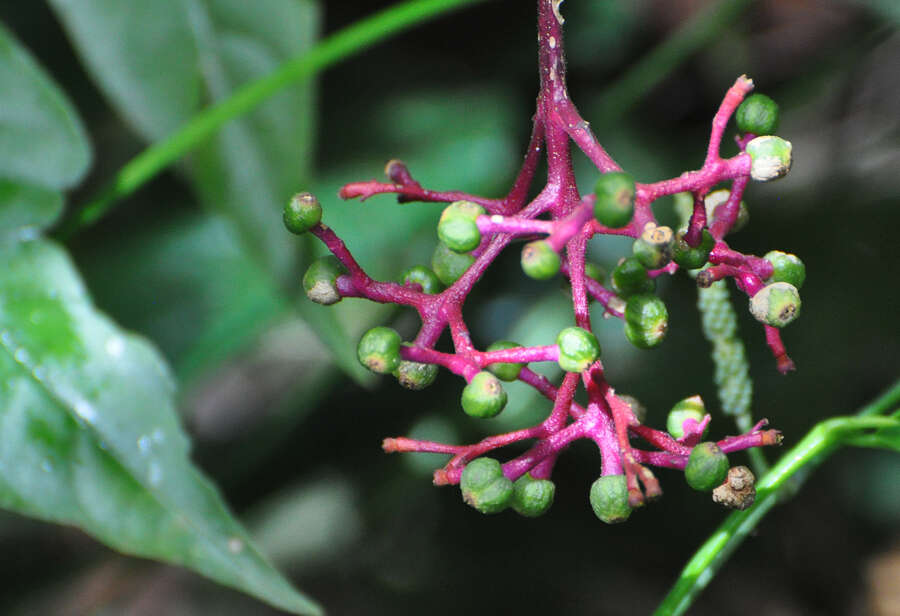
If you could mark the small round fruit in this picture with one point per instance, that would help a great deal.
(609, 499)
(776, 304)
(448, 266)
(505, 371)
(458, 226)
(716, 199)
(707, 467)
(689, 408)
(787, 268)
(532, 497)
(484, 396)
(379, 350)
(692, 257)
(630, 277)
(770, 158)
(646, 320)
(414, 375)
(484, 486)
(578, 349)
(653, 249)
(614, 206)
(320, 280)
(758, 114)
(539, 260)
(424, 277)
(302, 213)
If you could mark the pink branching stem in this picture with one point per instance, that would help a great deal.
(607, 419)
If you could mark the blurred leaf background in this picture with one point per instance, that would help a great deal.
(197, 263)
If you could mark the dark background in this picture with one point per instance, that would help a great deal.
(366, 533)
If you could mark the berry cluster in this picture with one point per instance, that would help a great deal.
(557, 225)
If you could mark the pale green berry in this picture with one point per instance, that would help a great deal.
(578, 349)
(379, 350)
(646, 320)
(614, 206)
(776, 304)
(630, 277)
(302, 213)
(539, 260)
(653, 249)
(484, 486)
(505, 371)
(483, 396)
(609, 499)
(449, 265)
(786, 267)
(320, 280)
(458, 227)
(424, 277)
(414, 375)
(770, 158)
(689, 408)
(692, 257)
(758, 115)
(532, 497)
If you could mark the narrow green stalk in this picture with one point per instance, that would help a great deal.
(822, 440)
(696, 33)
(331, 50)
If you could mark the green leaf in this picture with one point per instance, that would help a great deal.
(89, 435)
(27, 208)
(42, 141)
(161, 61)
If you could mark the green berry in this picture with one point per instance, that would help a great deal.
(484, 486)
(614, 206)
(654, 248)
(707, 467)
(414, 375)
(539, 260)
(689, 408)
(505, 371)
(424, 277)
(320, 280)
(484, 396)
(630, 277)
(776, 304)
(594, 271)
(692, 257)
(609, 499)
(532, 497)
(302, 213)
(578, 349)
(770, 158)
(787, 268)
(458, 226)
(717, 199)
(646, 320)
(758, 114)
(379, 350)
(449, 265)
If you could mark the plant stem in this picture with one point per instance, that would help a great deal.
(352, 39)
(822, 440)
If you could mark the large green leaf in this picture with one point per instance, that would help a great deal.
(43, 147)
(89, 435)
(160, 61)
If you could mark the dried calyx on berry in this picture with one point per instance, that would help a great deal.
(653, 249)
(614, 206)
(770, 158)
(320, 280)
(578, 349)
(738, 491)
(609, 499)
